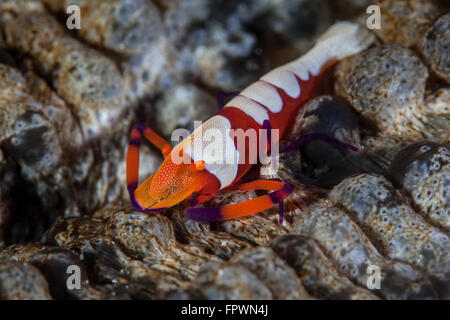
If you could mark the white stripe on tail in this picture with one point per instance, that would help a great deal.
(339, 41)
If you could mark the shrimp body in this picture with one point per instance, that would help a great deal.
(272, 102)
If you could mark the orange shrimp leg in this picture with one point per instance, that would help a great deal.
(133, 152)
(281, 191)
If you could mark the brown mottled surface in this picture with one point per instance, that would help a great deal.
(316, 271)
(384, 84)
(22, 281)
(436, 38)
(393, 226)
(422, 170)
(352, 252)
(405, 21)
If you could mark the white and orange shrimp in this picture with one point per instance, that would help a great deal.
(270, 103)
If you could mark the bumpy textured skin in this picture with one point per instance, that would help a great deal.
(38, 131)
(22, 281)
(258, 273)
(437, 37)
(255, 229)
(389, 78)
(352, 252)
(231, 282)
(405, 22)
(150, 254)
(96, 101)
(129, 28)
(53, 262)
(398, 232)
(150, 240)
(423, 171)
(317, 272)
(387, 86)
(273, 272)
(202, 235)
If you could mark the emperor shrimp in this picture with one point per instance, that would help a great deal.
(270, 103)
